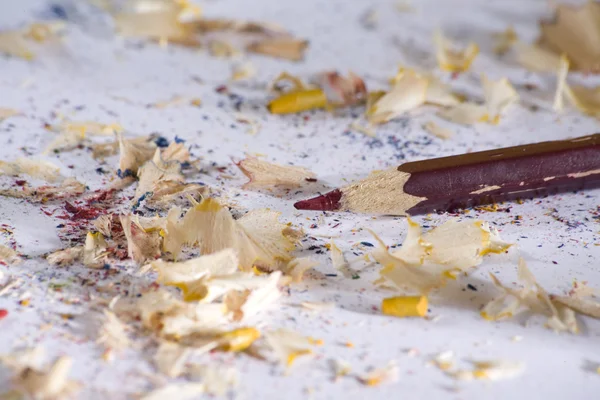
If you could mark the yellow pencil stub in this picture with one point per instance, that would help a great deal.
(298, 101)
(405, 306)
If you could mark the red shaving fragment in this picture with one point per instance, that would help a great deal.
(81, 212)
(3, 313)
(20, 182)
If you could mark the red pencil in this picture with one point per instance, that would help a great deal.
(449, 183)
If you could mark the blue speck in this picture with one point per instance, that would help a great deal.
(58, 11)
(124, 174)
(162, 142)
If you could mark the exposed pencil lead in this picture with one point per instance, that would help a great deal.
(327, 202)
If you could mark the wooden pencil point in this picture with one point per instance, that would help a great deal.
(467, 180)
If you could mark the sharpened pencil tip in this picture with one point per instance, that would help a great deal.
(327, 202)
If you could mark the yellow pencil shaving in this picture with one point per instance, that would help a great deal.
(405, 306)
(298, 101)
(292, 357)
(238, 339)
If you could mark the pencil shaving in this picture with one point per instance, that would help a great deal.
(19, 43)
(437, 130)
(340, 264)
(286, 48)
(532, 297)
(449, 59)
(505, 40)
(34, 168)
(68, 188)
(218, 380)
(536, 58)
(8, 113)
(343, 91)
(408, 93)
(585, 99)
(382, 375)
(574, 31)
(8, 255)
(170, 358)
(492, 370)
(438, 93)
(263, 174)
(498, 96)
(94, 250)
(162, 25)
(465, 114)
(113, 334)
(288, 345)
(50, 384)
(258, 237)
(180, 391)
(427, 261)
(133, 154)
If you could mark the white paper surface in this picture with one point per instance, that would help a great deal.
(90, 76)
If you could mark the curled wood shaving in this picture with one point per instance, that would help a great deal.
(65, 257)
(342, 91)
(161, 25)
(170, 358)
(94, 250)
(218, 380)
(295, 84)
(179, 391)
(35, 168)
(426, 261)
(378, 376)
(221, 48)
(408, 93)
(103, 224)
(68, 188)
(281, 47)
(493, 370)
(449, 59)
(505, 40)
(288, 345)
(51, 384)
(160, 312)
(586, 99)
(296, 268)
(242, 71)
(8, 255)
(437, 130)
(242, 304)
(18, 43)
(158, 177)
(113, 334)
(438, 93)
(340, 264)
(498, 96)
(575, 32)
(263, 174)
(7, 113)
(532, 297)
(133, 154)
(536, 58)
(142, 244)
(258, 237)
(317, 306)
